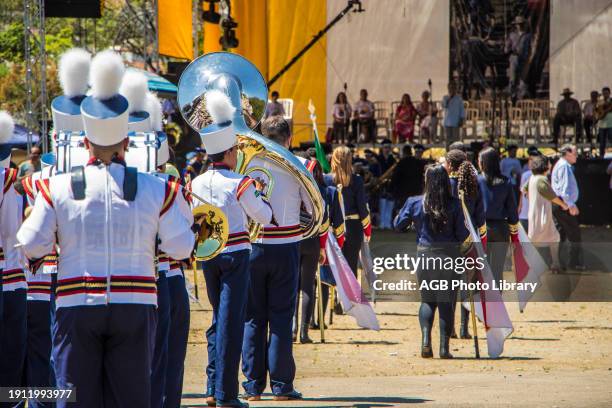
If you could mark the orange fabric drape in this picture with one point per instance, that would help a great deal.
(175, 35)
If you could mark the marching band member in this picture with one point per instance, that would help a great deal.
(464, 181)
(226, 274)
(356, 210)
(500, 209)
(173, 300)
(312, 250)
(13, 319)
(134, 88)
(106, 296)
(274, 273)
(440, 226)
(73, 76)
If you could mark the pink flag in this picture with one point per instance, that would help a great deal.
(488, 304)
(354, 303)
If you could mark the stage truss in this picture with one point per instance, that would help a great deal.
(35, 70)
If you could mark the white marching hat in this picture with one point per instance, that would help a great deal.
(154, 108)
(73, 76)
(7, 126)
(135, 88)
(220, 135)
(105, 111)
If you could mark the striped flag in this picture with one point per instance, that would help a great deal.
(488, 304)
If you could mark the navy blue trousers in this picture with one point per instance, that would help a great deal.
(38, 372)
(160, 353)
(177, 341)
(105, 353)
(268, 345)
(14, 339)
(227, 282)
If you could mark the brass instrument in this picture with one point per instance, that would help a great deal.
(603, 109)
(385, 177)
(243, 83)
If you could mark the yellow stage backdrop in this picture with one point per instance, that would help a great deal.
(271, 46)
(175, 28)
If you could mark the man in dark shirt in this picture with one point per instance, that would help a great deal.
(407, 178)
(568, 113)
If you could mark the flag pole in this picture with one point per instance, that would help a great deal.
(321, 314)
(194, 266)
(474, 327)
(330, 301)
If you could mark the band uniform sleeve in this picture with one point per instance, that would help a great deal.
(253, 204)
(174, 232)
(404, 217)
(362, 206)
(28, 188)
(336, 217)
(305, 200)
(37, 233)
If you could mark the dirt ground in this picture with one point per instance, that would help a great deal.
(560, 355)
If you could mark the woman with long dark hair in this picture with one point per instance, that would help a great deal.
(464, 184)
(500, 209)
(356, 212)
(440, 226)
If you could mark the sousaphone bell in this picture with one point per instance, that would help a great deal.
(243, 83)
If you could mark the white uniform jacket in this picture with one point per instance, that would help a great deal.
(11, 258)
(39, 284)
(236, 196)
(286, 198)
(164, 262)
(107, 244)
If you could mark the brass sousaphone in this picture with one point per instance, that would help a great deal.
(243, 83)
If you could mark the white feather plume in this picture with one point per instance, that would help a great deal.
(134, 87)
(106, 72)
(74, 71)
(155, 110)
(7, 126)
(219, 106)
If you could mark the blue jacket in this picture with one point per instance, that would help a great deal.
(499, 200)
(412, 212)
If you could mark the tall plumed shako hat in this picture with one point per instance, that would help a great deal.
(7, 126)
(105, 112)
(73, 75)
(155, 111)
(135, 88)
(220, 135)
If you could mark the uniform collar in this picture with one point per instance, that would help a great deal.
(94, 161)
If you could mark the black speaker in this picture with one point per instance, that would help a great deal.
(595, 199)
(73, 8)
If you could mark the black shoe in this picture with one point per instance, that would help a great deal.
(235, 403)
(426, 350)
(304, 339)
(210, 398)
(444, 349)
(338, 309)
(453, 334)
(464, 332)
(290, 396)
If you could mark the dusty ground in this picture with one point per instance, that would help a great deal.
(560, 355)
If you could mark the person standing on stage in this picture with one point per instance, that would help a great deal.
(274, 272)
(440, 225)
(356, 211)
(227, 274)
(604, 118)
(464, 182)
(500, 210)
(564, 185)
(454, 115)
(105, 318)
(13, 283)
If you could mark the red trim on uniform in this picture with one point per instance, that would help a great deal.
(10, 175)
(172, 189)
(43, 187)
(243, 185)
(310, 165)
(287, 231)
(28, 187)
(187, 192)
(13, 276)
(238, 238)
